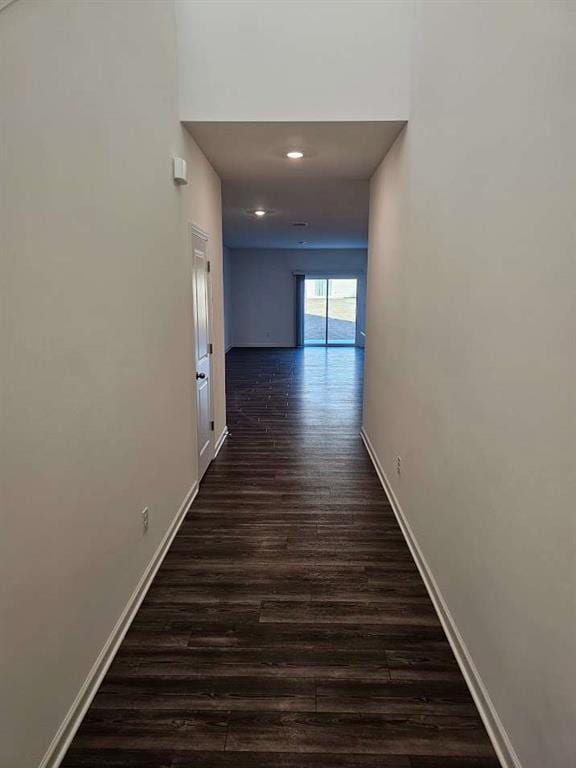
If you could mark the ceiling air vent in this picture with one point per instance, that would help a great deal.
(299, 223)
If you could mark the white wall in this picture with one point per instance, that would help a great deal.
(96, 336)
(263, 289)
(471, 362)
(227, 267)
(203, 207)
(280, 60)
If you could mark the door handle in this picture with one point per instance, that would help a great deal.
(200, 375)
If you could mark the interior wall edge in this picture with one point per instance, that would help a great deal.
(5, 4)
(492, 722)
(73, 719)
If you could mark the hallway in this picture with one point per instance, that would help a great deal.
(288, 616)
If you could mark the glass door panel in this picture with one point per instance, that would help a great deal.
(341, 324)
(315, 309)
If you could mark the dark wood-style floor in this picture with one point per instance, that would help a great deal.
(288, 626)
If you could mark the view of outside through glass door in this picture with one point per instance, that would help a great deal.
(330, 310)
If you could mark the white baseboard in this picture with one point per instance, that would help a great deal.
(496, 731)
(61, 741)
(270, 344)
(220, 441)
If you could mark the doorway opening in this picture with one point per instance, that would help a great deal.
(330, 311)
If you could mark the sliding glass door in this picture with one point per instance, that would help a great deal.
(330, 310)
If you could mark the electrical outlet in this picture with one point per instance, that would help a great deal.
(398, 465)
(145, 519)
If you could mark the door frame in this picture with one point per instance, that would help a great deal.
(195, 230)
(327, 275)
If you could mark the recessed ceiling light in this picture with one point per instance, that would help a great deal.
(295, 154)
(259, 212)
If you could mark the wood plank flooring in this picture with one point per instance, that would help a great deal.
(288, 626)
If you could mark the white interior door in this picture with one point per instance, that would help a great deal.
(201, 290)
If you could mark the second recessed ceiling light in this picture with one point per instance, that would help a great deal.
(295, 154)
